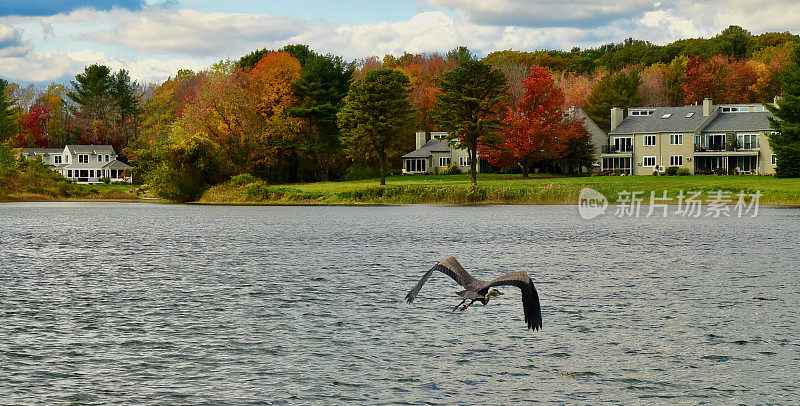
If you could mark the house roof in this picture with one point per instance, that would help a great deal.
(42, 151)
(654, 123)
(115, 164)
(91, 149)
(434, 145)
(750, 121)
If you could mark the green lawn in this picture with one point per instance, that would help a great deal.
(499, 189)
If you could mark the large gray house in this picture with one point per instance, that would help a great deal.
(83, 163)
(707, 138)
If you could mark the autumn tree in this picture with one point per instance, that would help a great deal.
(652, 89)
(535, 127)
(473, 96)
(618, 90)
(674, 77)
(33, 128)
(785, 140)
(580, 150)
(375, 115)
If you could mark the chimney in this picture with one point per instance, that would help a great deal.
(420, 139)
(617, 114)
(706, 107)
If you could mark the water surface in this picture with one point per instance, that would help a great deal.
(145, 303)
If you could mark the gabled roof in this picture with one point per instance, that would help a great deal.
(749, 121)
(677, 121)
(115, 164)
(434, 145)
(42, 151)
(91, 149)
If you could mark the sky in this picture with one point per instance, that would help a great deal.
(44, 41)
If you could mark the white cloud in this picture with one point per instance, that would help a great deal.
(537, 13)
(189, 32)
(11, 44)
(155, 42)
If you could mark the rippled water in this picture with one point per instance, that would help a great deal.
(163, 304)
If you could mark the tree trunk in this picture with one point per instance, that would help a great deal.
(525, 170)
(473, 154)
(383, 169)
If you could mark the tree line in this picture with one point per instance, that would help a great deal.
(294, 115)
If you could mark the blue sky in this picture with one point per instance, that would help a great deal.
(52, 40)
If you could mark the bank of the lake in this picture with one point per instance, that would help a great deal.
(63, 191)
(498, 189)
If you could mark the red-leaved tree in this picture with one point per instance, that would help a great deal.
(535, 126)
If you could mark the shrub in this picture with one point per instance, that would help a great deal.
(656, 172)
(511, 170)
(452, 169)
(682, 171)
(358, 171)
(671, 171)
(106, 180)
(242, 179)
(720, 171)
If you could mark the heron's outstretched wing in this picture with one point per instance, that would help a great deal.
(530, 298)
(449, 267)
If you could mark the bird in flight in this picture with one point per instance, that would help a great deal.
(477, 290)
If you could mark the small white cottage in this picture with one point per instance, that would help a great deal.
(83, 163)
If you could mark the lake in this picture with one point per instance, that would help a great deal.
(164, 304)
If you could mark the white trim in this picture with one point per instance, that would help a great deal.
(444, 161)
(644, 161)
(644, 140)
(672, 159)
(674, 135)
(773, 160)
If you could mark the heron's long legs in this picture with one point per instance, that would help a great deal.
(468, 304)
(454, 309)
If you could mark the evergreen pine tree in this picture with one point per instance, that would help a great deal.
(785, 140)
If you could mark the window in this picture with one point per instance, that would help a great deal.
(57, 159)
(623, 144)
(641, 112)
(99, 158)
(69, 172)
(667, 115)
(774, 160)
(648, 161)
(690, 115)
(759, 108)
(649, 140)
(412, 165)
(444, 161)
(676, 160)
(91, 173)
(107, 158)
(83, 159)
(463, 161)
(676, 139)
(747, 141)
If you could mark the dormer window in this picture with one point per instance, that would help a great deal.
(99, 158)
(107, 158)
(56, 159)
(83, 159)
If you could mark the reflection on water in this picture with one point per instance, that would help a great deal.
(165, 303)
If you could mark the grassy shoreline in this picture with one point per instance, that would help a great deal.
(498, 189)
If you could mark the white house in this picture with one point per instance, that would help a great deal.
(83, 163)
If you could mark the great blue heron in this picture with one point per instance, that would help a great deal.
(478, 290)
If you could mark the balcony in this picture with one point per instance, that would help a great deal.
(613, 149)
(747, 148)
